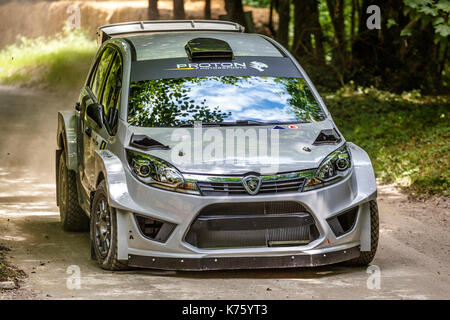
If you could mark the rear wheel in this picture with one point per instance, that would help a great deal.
(366, 257)
(72, 216)
(104, 231)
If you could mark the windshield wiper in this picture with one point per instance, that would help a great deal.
(227, 123)
(206, 124)
(241, 123)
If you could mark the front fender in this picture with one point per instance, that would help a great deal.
(367, 186)
(364, 170)
(110, 166)
(67, 137)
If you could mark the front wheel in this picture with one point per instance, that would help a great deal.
(104, 231)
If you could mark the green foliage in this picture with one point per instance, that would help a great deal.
(436, 12)
(304, 105)
(407, 136)
(174, 102)
(257, 3)
(164, 102)
(62, 61)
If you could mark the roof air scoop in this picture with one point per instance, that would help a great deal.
(208, 48)
(328, 136)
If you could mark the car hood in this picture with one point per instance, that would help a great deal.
(293, 150)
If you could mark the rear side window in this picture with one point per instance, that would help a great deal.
(111, 94)
(101, 72)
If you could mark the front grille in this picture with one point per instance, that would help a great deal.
(236, 188)
(252, 224)
(252, 208)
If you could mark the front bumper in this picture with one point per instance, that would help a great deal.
(129, 197)
(231, 263)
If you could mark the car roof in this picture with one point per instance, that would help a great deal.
(166, 45)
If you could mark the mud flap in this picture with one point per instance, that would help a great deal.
(365, 236)
(122, 243)
(58, 155)
(93, 256)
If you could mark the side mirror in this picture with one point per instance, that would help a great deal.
(96, 112)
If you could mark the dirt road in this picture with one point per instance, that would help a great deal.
(413, 256)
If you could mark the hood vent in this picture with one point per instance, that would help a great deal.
(208, 48)
(328, 136)
(146, 143)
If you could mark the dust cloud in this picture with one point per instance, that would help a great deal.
(28, 124)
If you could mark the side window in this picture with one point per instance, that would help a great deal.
(111, 93)
(100, 73)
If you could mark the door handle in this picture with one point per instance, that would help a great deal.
(88, 132)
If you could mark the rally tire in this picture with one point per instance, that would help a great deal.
(73, 218)
(366, 257)
(103, 215)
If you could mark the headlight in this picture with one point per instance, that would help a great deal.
(336, 166)
(158, 173)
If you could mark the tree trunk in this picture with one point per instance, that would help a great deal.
(207, 9)
(303, 26)
(319, 51)
(352, 21)
(284, 16)
(178, 9)
(270, 25)
(235, 11)
(336, 10)
(153, 13)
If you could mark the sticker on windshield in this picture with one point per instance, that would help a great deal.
(239, 67)
(210, 66)
(260, 66)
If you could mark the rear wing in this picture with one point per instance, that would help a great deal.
(132, 28)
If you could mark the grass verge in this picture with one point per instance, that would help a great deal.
(407, 136)
(61, 62)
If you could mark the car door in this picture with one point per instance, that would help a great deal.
(88, 127)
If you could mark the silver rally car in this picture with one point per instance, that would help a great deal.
(196, 146)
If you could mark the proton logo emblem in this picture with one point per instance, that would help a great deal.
(260, 66)
(251, 184)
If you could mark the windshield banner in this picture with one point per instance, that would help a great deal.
(240, 66)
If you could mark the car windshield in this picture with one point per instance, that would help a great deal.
(221, 100)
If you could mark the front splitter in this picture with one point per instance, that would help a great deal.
(233, 263)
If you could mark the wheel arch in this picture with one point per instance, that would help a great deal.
(66, 138)
(364, 171)
(109, 168)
